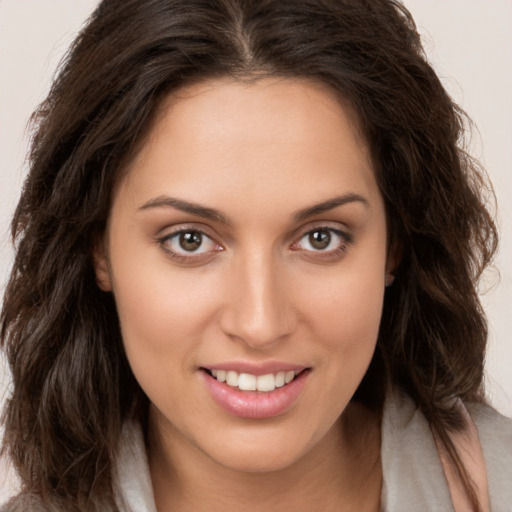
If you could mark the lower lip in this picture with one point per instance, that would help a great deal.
(255, 404)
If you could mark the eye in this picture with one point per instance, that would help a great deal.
(327, 240)
(188, 243)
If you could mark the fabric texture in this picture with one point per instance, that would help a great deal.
(413, 477)
(495, 433)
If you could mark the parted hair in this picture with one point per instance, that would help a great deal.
(72, 386)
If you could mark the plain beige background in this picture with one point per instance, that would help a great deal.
(469, 43)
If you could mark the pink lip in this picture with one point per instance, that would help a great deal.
(255, 404)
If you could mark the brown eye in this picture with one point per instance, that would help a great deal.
(190, 240)
(323, 241)
(189, 244)
(320, 239)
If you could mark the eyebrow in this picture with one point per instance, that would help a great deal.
(215, 215)
(330, 204)
(187, 207)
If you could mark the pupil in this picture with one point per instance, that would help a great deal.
(320, 239)
(190, 241)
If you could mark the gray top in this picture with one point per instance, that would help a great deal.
(412, 471)
(413, 477)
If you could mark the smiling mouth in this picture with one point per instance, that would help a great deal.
(249, 382)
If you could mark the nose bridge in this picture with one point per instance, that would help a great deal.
(259, 309)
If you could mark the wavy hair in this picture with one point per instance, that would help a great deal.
(72, 385)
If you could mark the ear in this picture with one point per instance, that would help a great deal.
(101, 265)
(393, 261)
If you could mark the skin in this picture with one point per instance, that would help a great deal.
(255, 290)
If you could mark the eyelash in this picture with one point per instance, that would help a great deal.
(194, 256)
(345, 240)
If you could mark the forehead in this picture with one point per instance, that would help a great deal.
(263, 138)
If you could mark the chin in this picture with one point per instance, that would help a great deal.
(260, 462)
(258, 453)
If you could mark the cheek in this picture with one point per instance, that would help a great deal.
(163, 317)
(348, 306)
(344, 316)
(161, 310)
(349, 331)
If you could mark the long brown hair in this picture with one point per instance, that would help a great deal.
(73, 387)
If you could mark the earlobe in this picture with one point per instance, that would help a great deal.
(393, 261)
(101, 267)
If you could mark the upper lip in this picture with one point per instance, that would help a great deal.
(253, 368)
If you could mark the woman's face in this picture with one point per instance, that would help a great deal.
(247, 242)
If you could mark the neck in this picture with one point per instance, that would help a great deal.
(341, 473)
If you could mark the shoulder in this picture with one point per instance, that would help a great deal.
(24, 502)
(413, 477)
(411, 464)
(495, 434)
(131, 475)
(494, 429)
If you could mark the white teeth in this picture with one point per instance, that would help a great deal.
(288, 377)
(280, 379)
(232, 379)
(249, 382)
(266, 382)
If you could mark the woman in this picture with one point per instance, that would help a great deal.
(248, 250)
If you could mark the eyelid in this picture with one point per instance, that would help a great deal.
(185, 257)
(344, 234)
(198, 257)
(333, 227)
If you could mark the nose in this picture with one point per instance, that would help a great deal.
(258, 309)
